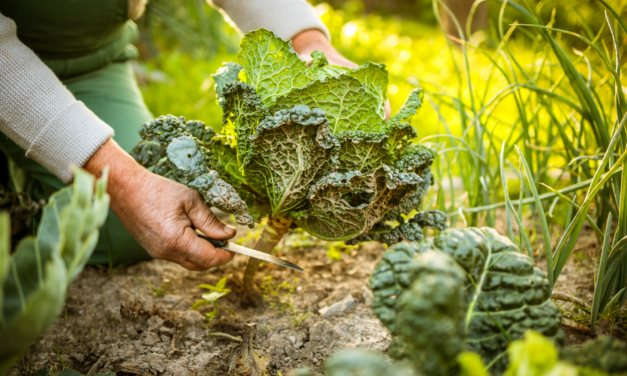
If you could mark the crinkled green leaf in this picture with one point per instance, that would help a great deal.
(375, 79)
(320, 69)
(348, 104)
(225, 158)
(290, 151)
(188, 162)
(243, 111)
(271, 66)
(367, 151)
(219, 194)
(345, 205)
(410, 107)
(184, 152)
(505, 295)
(164, 129)
(227, 73)
(198, 129)
(148, 153)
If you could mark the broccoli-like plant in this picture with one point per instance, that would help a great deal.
(466, 289)
(306, 146)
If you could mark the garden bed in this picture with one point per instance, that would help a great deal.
(112, 322)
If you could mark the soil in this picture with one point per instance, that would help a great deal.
(114, 323)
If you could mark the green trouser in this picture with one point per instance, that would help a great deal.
(112, 94)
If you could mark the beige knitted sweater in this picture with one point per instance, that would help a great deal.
(39, 114)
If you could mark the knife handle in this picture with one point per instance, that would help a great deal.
(215, 242)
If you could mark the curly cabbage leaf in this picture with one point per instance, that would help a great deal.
(271, 66)
(345, 205)
(189, 162)
(348, 105)
(504, 295)
(290, 151)
(303, 143)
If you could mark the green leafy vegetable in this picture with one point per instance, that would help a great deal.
(470, 287)
(187, 160)
(305, 143)
(33, 280)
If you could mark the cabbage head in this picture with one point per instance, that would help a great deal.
(305, 143)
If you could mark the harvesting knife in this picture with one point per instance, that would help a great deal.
(236, 248)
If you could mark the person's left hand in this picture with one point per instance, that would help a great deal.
(309, 41)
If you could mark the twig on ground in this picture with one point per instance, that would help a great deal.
(218, 334)
(571, 299)
(576, 326)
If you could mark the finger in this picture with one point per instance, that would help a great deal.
(201, 253)
(388, 110)
(203, 219)
(306, 58)
(191, 266)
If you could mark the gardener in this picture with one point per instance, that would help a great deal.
(68, 97)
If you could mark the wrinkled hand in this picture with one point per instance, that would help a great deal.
(309, 41)
(160, 213)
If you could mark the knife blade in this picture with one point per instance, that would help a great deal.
(236, 248)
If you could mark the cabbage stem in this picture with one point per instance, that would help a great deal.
(271, 235)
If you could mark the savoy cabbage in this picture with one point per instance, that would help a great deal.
(308, 144)
(466, 289)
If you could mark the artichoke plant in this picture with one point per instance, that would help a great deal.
(34, 279)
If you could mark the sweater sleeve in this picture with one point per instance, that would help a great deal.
(286, 18)
(39, 114)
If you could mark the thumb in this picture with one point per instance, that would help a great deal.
(203, 219)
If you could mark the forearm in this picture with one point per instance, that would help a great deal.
(125, 175)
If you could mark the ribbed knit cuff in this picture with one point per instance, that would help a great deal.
(76, 134)
(286, 18)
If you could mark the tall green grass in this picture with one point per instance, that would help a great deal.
(566, 129)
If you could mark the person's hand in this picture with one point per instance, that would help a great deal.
(309, 41)
(159, 213)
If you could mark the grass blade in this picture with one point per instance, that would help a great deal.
(598, 288)
(548, 249)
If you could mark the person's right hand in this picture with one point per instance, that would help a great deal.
(159, 213)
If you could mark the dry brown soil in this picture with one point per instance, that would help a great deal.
(114, 323)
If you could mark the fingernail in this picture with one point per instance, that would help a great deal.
(229, 230)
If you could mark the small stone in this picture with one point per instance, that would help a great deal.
(165, 339)
(343, 305)
(287, 359)
(292, 339)
(166, 331)
(299, 343)
(315, 360)
(368, 296)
